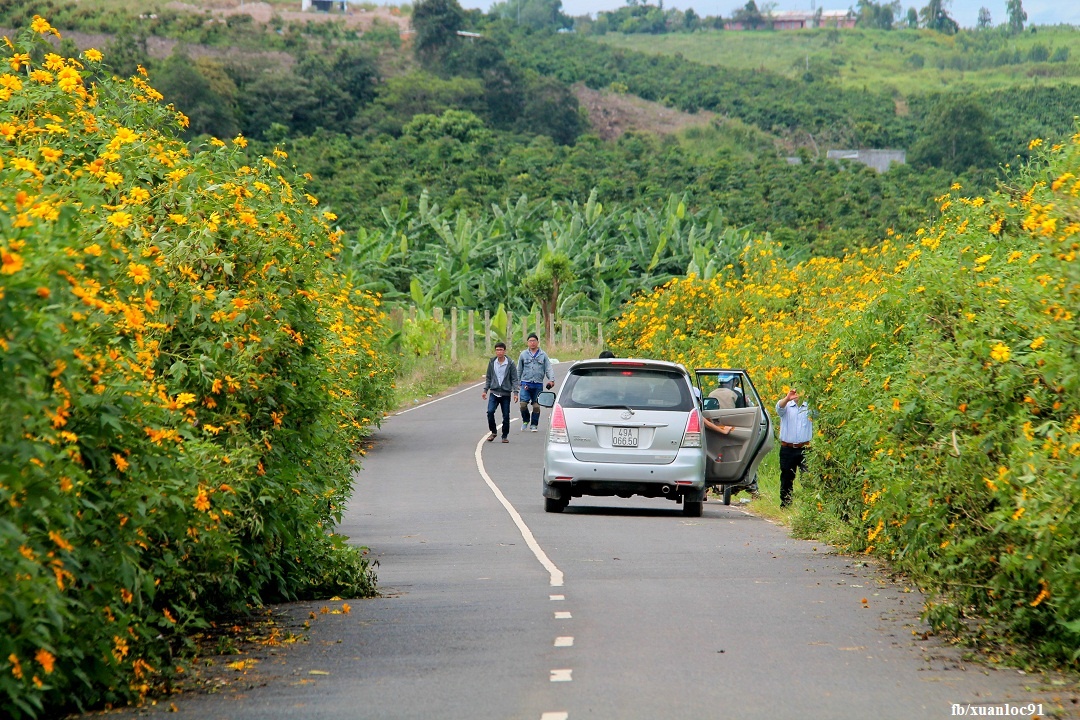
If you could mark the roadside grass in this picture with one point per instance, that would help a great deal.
(906, 61)
(822, 527)
(419, 379)
(422, 378)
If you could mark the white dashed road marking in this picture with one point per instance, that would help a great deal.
(554, 573)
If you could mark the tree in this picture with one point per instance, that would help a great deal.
(402, 97)
(436, 23)
(749, 16)
(127, 52)
(278, 97)
(551, 109)
(504, 91)
(691, 20)
(878, 15)
(536, 14)
(1017, 16)
(955, 137)
(984, 19)
(457, 124)
(344, 82)
(209, 102)
(935, 16)
(912, 18)
(545, 283)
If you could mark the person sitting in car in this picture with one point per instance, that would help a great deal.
(727, 393)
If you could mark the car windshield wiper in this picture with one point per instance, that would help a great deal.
(612, 407)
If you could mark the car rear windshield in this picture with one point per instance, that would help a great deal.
(637, 388)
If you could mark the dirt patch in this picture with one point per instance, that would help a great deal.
(611, 114)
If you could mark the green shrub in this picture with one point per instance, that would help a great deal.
(183, 383)
(945, 371)
(964, 462)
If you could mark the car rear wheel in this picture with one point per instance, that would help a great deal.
(727, 494)
(691, 508)
(554, 506)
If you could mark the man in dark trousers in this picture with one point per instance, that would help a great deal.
(534, 370)
(796, 431)
(500, 385)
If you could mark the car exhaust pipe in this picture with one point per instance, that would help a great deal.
(665, 489)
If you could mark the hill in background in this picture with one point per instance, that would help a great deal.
(903, 61)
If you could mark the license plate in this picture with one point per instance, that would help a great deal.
(624, 436)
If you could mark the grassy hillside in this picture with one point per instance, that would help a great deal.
(908, 61)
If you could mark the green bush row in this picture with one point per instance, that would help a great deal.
(952, 426)
(184, 380)
(945, 372)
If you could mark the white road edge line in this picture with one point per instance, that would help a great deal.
(417, 407)
(563, 675)
(554, 572)
(555, 716)
(564, 641)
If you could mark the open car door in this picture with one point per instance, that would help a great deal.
(728, 398)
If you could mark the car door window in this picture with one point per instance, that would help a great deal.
(733, 456)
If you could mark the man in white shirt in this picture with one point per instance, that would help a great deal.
(796, 431)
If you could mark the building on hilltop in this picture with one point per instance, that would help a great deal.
(800, 20)
(880, 160)
(322, 5)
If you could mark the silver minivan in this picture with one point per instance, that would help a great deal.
(624, 427)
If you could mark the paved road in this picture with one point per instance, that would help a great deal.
(615, 608)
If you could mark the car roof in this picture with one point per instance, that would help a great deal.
(647, 363)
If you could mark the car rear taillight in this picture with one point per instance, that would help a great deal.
(692, 436)
(557, 433)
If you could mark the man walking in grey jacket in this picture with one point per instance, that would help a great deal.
(535, 371)
(501, 382)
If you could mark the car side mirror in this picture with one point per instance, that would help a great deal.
(710, 403)
(546, 399)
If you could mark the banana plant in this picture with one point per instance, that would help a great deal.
(442, 257)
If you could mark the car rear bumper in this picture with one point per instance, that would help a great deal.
(566, 476)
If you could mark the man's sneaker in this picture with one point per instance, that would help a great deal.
(506, 439)
(535, 428)
(491, 437)
(524, 427)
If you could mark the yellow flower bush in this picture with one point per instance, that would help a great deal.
(184, 383)
(945, 371)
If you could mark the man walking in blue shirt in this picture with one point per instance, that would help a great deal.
(796, 431)
(534, 369)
